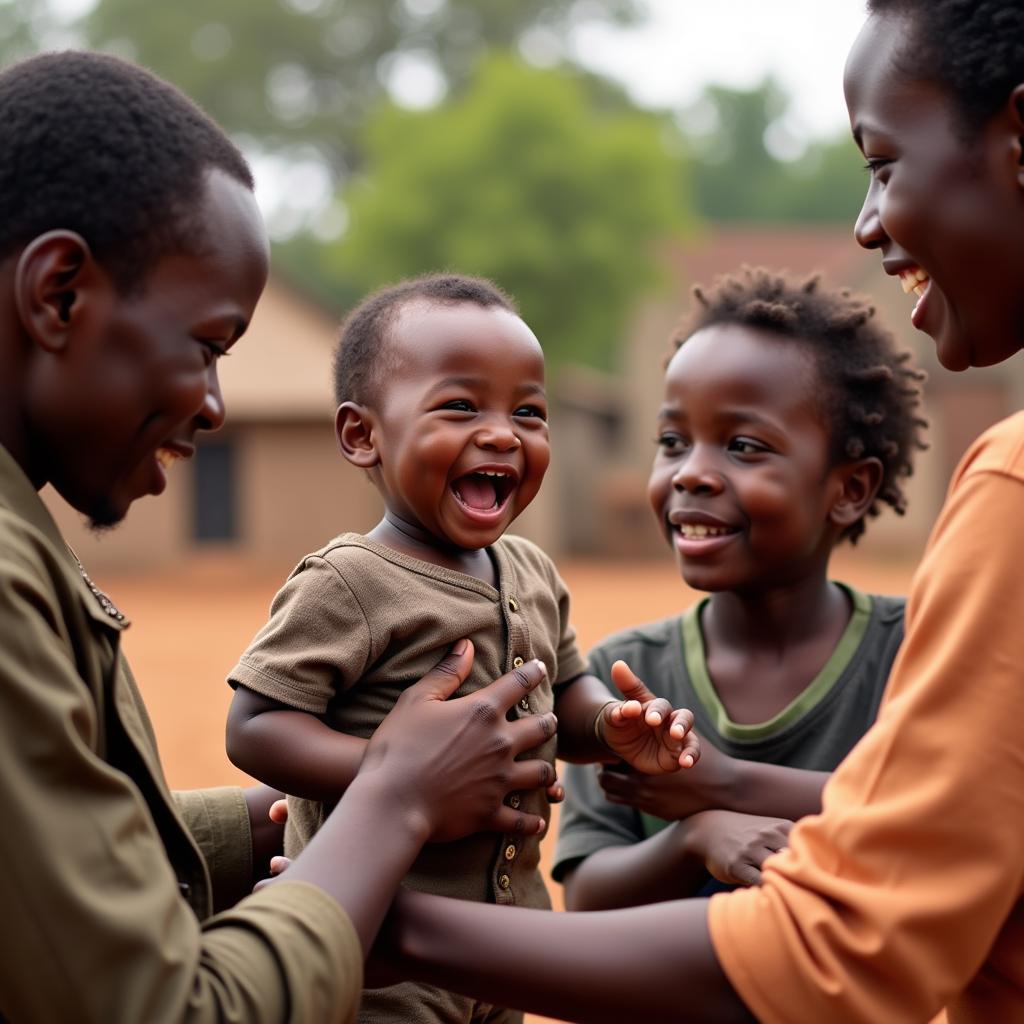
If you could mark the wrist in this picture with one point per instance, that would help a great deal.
(389, 804)
(597, 730)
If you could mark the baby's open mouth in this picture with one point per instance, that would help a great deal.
(484, 491)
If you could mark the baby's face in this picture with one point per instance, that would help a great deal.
(461, 422)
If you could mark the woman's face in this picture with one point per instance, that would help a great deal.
(945, 206)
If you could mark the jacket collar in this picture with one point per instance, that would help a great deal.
(18, 496)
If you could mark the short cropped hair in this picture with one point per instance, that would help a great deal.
(360, 355)
(972, 48)
(97, 145)
(870, 392)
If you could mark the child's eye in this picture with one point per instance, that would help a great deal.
(459, 405)
(531, 412)
(669, 442)
(745, 446)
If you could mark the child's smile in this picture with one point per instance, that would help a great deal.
(484, 492)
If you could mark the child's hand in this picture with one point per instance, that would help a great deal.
(734, 846)
(644, 730)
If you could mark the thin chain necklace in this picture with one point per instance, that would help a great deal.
(105, 603)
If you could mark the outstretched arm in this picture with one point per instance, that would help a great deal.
(653, 963)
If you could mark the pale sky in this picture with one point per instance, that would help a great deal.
(689, 43)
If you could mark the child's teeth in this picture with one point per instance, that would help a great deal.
(698, 531)
(919, 288)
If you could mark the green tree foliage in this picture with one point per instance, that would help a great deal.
(736, 176)
(301, 73)
(525, 180)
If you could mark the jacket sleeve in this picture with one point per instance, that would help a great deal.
(94, 927)
(887, 904)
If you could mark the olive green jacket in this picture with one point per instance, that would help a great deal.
(107, 882)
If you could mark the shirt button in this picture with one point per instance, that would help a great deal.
(517, 662)
(504, 882)
(514, 801)
(525, 704)
(510, 852)
(513, 604)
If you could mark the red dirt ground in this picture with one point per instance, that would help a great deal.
(190, 625)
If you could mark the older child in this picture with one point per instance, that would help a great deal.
(906, 894)
(441, 398)
(788, 416)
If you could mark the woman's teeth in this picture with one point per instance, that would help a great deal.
(914, 281)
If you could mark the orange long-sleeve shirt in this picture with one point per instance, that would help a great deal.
(906, 894)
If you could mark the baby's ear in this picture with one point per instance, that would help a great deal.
(353, 427)
(860, 481)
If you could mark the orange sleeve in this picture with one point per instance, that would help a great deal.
(886, 904)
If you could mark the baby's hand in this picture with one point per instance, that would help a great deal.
(644, 730)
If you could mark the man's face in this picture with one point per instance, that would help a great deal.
(139, 377)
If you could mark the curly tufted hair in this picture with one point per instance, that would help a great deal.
(870, 390)
(359, 358)
(973, 48)
(97, 145)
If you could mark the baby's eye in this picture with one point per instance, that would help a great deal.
(531, 412)
(459, 405)
(746, 446)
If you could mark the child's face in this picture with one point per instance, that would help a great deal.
(461, 424)
(938, 208)
(741, 482)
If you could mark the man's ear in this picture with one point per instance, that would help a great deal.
(860, 481)
(353, 427)
(50, 280)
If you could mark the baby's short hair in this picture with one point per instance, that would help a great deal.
(97, 145)
(870, 391)
(359, 357)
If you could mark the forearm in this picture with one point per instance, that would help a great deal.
(773, 790)
(663, 867)
(295, 752)
(654, 963)
(362, 852)
(577, 706)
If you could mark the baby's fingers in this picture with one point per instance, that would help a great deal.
(690, 754)
(682, 723)
(657, 711)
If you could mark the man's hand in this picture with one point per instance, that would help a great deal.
(452, 762)
(644, 730)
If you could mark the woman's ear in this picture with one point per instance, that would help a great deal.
(860, 481)
(1016, 112)
(52, 280)
(353, 427)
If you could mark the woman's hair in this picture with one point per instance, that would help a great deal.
(972, 48)
(870, 391)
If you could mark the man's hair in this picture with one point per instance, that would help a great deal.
(97, 145)
(972, 48)
(360, 357)
(869, 391)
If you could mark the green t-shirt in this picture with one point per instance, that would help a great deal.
(816, 731)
